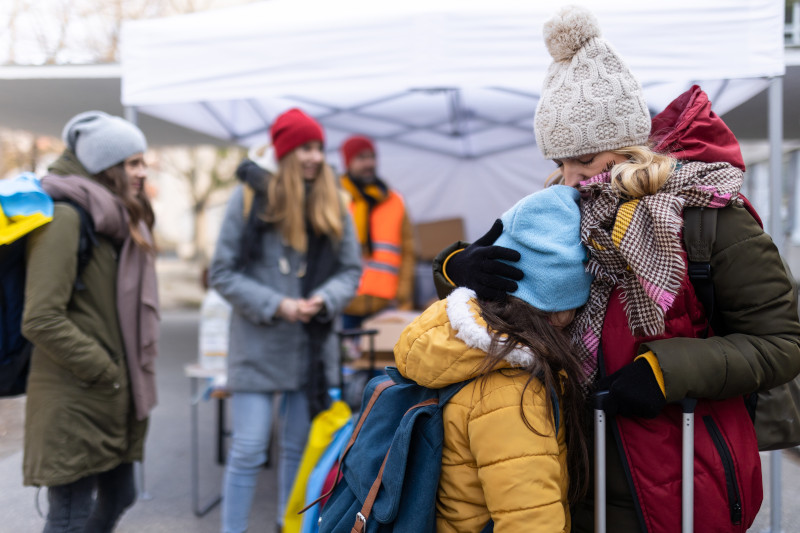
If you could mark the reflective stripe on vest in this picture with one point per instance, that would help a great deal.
(380, 276)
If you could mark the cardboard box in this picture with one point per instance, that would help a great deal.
(432, 237)
(390, 324)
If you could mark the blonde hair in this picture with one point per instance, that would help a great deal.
(288, 207)
(643, 173)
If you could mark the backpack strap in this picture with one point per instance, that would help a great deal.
(362, 516)
(382, 386)
(699, 234)
(86, 242)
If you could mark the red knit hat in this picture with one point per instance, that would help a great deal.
(294, 128)
(354, 146)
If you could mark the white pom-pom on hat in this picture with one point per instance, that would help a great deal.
(590, 100)
(569, 30)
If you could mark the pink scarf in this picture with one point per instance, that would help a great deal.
(137, 290)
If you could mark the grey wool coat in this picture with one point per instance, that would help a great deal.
(267, 354)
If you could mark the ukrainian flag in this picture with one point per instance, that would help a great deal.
(24, 206)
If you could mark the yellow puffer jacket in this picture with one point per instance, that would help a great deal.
(493, 465)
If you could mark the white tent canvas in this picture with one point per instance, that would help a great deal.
(448, 88)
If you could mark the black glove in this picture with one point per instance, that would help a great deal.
(633, 391)
(477, 267)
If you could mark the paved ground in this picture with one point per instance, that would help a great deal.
(168, 507)
(167, 465)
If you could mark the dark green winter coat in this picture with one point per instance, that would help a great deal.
(79, 416)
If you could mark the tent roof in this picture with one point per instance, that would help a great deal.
(455, 77)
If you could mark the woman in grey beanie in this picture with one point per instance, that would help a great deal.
(93, 324)
(642, 334)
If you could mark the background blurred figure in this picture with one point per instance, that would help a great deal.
(385, 234)
(288, 264)
(92, 382)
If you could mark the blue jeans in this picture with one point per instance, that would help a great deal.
(252, 420)
(73, 509)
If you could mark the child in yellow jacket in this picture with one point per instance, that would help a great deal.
(503, 458)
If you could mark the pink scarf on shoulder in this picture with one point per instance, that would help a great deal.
(137, 289)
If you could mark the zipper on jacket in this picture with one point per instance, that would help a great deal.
(734, 498)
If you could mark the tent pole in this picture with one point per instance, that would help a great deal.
(132, 115)
(775, 114)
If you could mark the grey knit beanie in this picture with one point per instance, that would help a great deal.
(100, 140)
(590, 101)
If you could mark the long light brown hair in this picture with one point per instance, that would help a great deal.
(515, 323)
(116, 180)
(289, 208)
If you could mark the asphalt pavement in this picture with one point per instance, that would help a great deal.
(166, 504)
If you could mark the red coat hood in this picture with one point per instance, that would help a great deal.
(691, 131)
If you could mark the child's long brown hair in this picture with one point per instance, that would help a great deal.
(515, 323)
(116, 180)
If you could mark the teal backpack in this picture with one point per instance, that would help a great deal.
(390, 467)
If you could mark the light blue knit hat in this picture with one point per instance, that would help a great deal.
(544, 228)
(100, 140)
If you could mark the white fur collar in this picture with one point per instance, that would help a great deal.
(473, 334)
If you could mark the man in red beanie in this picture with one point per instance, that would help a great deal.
(384, 231)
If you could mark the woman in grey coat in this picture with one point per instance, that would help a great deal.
(288, 261)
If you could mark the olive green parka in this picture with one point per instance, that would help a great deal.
(80, 418)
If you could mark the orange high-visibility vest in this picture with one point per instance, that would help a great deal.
(380, 276)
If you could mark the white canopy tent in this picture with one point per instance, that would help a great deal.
(448, 88)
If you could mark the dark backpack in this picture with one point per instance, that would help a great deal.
(15, 350)
(390, 467)
(775, 412)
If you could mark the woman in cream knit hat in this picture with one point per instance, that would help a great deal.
(644, 335)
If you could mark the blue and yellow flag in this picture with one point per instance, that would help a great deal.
(24, 206)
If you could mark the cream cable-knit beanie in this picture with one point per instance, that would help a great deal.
(590, 101)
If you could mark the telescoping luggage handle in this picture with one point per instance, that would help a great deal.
(687, 464)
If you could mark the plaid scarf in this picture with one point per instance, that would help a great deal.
(636, 244)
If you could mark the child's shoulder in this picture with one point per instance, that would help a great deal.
(500, 390)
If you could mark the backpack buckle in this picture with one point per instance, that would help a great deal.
(361, 522)
(699, 270)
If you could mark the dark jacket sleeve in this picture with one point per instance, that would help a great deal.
(444, 287)
(756, 301)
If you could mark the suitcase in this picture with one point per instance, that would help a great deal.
(687, 464)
